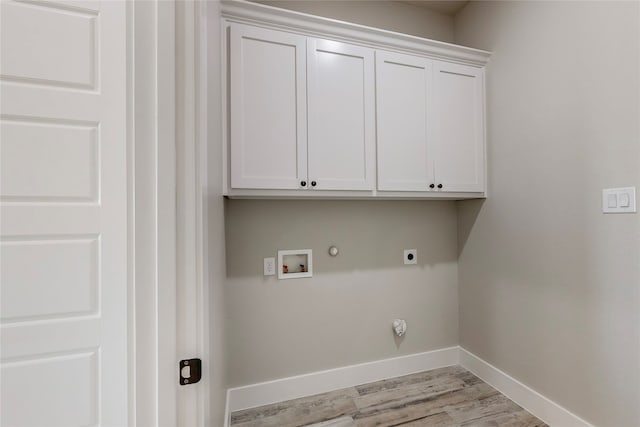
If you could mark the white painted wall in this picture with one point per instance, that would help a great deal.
(549, 286)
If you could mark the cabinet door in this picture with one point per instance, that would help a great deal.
(459, 130)
(341, 102)
(268, 108)
(404, 91)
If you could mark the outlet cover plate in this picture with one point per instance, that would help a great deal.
(270, 266)
(410, 256)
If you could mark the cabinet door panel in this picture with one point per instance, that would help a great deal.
(341, 115)
(403, 89)
(268, 108)
(459, 130)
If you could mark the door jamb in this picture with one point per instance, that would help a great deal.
(153, 374)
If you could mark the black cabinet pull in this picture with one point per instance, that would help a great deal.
(313, 183)
(439, 185)
(303, 183)
(432, 186)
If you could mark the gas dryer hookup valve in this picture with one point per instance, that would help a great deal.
(399, 327)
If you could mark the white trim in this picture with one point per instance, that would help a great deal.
(166, 250)
(202, 223)
(273, 17)
(251, 396)
(151, 87)
(295, 387)
(537, 404)
(131, 216)
(227, 412)
(341, 194)
(190, 301)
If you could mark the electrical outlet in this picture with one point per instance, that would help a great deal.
(269, 266)
(410, 256)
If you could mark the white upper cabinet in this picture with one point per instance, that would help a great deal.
(341, 116)
(459, 127)
(321, 108)
(404, 93)
(429, 125)
(302, 112)
(268, 108)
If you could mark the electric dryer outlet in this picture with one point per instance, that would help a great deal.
(410, 256)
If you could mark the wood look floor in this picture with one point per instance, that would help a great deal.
(449, 396)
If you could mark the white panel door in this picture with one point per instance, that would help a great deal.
(268, 108)
(459, 132)
(63, 195)
(404, 101)
(341, 103)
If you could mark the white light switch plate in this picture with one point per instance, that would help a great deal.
(619, 200)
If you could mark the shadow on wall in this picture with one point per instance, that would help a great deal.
(468, 211)
(370, 234)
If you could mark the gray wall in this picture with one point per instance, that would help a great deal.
(549, 286)
(388, 15)
(342, 315)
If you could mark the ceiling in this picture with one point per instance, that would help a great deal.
(447, 7)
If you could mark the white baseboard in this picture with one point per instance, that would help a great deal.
(540, 406)
(265, 393)
(283, 389)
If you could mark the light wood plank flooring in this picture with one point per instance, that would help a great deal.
(449, 396)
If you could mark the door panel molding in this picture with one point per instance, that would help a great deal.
(64, 199)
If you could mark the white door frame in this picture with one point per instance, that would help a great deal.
(169, 309)
(191, 173)
(167, 60)
(153, 377)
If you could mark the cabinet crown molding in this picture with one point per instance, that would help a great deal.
(287, 20)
